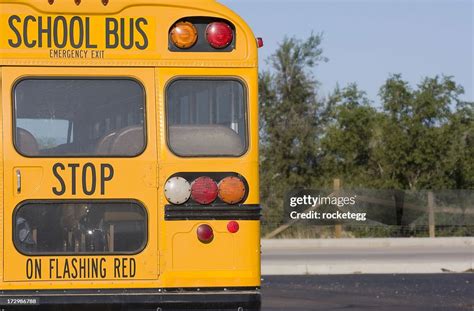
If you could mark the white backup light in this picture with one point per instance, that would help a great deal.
(177, 190)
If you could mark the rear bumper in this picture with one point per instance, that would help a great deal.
(152, 299)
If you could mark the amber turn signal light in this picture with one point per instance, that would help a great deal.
(231, 190)
(184, 35)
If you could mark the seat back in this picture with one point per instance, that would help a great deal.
(26, 142)
(128, 141)
(105, 143)
(195, 140)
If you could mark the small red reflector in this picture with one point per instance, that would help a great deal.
(259, 42)
(204, 190)
(233, 226)
(205, 234)
(219, 35)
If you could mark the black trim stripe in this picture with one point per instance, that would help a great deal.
(216, 212)
(211, 299)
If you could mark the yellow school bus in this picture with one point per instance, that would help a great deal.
(129, 155)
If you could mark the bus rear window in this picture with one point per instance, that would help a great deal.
(80, 228)
(79, 117)
(206, 117)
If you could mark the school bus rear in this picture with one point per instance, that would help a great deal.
(129, 158)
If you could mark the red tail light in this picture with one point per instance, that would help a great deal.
(205, 234)
(204, 190)
(219, 35)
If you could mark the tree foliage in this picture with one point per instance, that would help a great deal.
(348, 137)
(422, 137)
(290, 117)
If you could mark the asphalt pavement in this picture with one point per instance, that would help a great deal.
(437, 292)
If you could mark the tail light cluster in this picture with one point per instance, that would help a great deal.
(204, 34)
(205, 190)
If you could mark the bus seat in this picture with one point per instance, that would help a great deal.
(26, 142)
(105, 143)
(195, 140)
(128, 141)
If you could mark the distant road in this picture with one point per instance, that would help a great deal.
(438, 292)
(374, 256)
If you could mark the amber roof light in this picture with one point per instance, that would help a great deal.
(184, 35)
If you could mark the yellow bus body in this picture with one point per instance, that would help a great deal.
(173, 257)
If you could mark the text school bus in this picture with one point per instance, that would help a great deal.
(129, 155)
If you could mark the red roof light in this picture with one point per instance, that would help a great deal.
(219, 35)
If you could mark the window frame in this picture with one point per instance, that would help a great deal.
(246, 105)
(69, 254)
(107, 78)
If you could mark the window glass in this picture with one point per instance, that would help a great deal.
(206, 117)
(78, 228)
(45, 139)
(79, 117)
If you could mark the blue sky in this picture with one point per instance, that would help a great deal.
(366, 40)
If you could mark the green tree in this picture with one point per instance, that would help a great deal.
(347, 143)
(461, 170)
(290, 122)
(421, 138)
(420, 141)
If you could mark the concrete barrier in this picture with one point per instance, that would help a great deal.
(367, 256)
(367, 243)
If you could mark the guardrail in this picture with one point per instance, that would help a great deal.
(430, 209)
